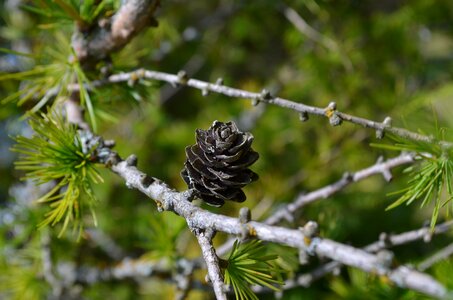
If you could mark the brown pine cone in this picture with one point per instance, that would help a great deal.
(217, 165)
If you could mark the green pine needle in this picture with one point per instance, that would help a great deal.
(55, 74)
(162, 235)
(55, 154)
(430, 181)
(249, 264)
(83, 12)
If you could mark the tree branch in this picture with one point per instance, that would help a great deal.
(179, 203)
(385, 241)
(380, 167)
(303, 27)
(287, 211)
(438, 256)
(126, 268)
(204, 238)
(335, 117)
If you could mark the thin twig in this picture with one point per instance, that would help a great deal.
(314, 35)
(204, 238)
(301, 108)
(380, 167)
(385, 241)
(438, 256)
(126, 268)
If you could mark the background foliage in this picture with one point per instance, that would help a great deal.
(390, 58)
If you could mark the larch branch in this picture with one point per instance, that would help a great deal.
(196, 217)
(329, 111)
(204, 238)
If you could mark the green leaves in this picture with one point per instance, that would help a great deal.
(249, 264)
(55, 153)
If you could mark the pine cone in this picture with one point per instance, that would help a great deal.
(216, 166)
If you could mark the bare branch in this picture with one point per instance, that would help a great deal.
(314, 35)
(204, 238)
(328, 112)
(307, 30)
(126, 268)
(381, 167)
(179, 203)
(385, 241)
(438, 256)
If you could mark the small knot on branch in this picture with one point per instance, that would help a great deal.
(331, 113)
(146, 180)
(384, 170)
(427, 237)
(384, 238)
(310, 229)
(132, 160)
(109, 143)
(309, 232)
(205, 91)
(112, 159)
(135, 77)
(219, 81)
(160, 206)
(183, 78)
(380, 132)
(244, 217)
(303, 116)
(265, 95)
(348, 176)
(189, 195)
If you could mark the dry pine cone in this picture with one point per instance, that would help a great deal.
(217, 165)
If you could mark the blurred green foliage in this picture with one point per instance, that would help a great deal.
(392, 58)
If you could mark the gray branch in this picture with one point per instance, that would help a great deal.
(204, 238)
(288, 210)
(385, 241)
(438, 256)
(381, 167)
(335, 117)
(126, 268)
(179, 203)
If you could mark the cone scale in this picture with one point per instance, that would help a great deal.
(217, 165)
